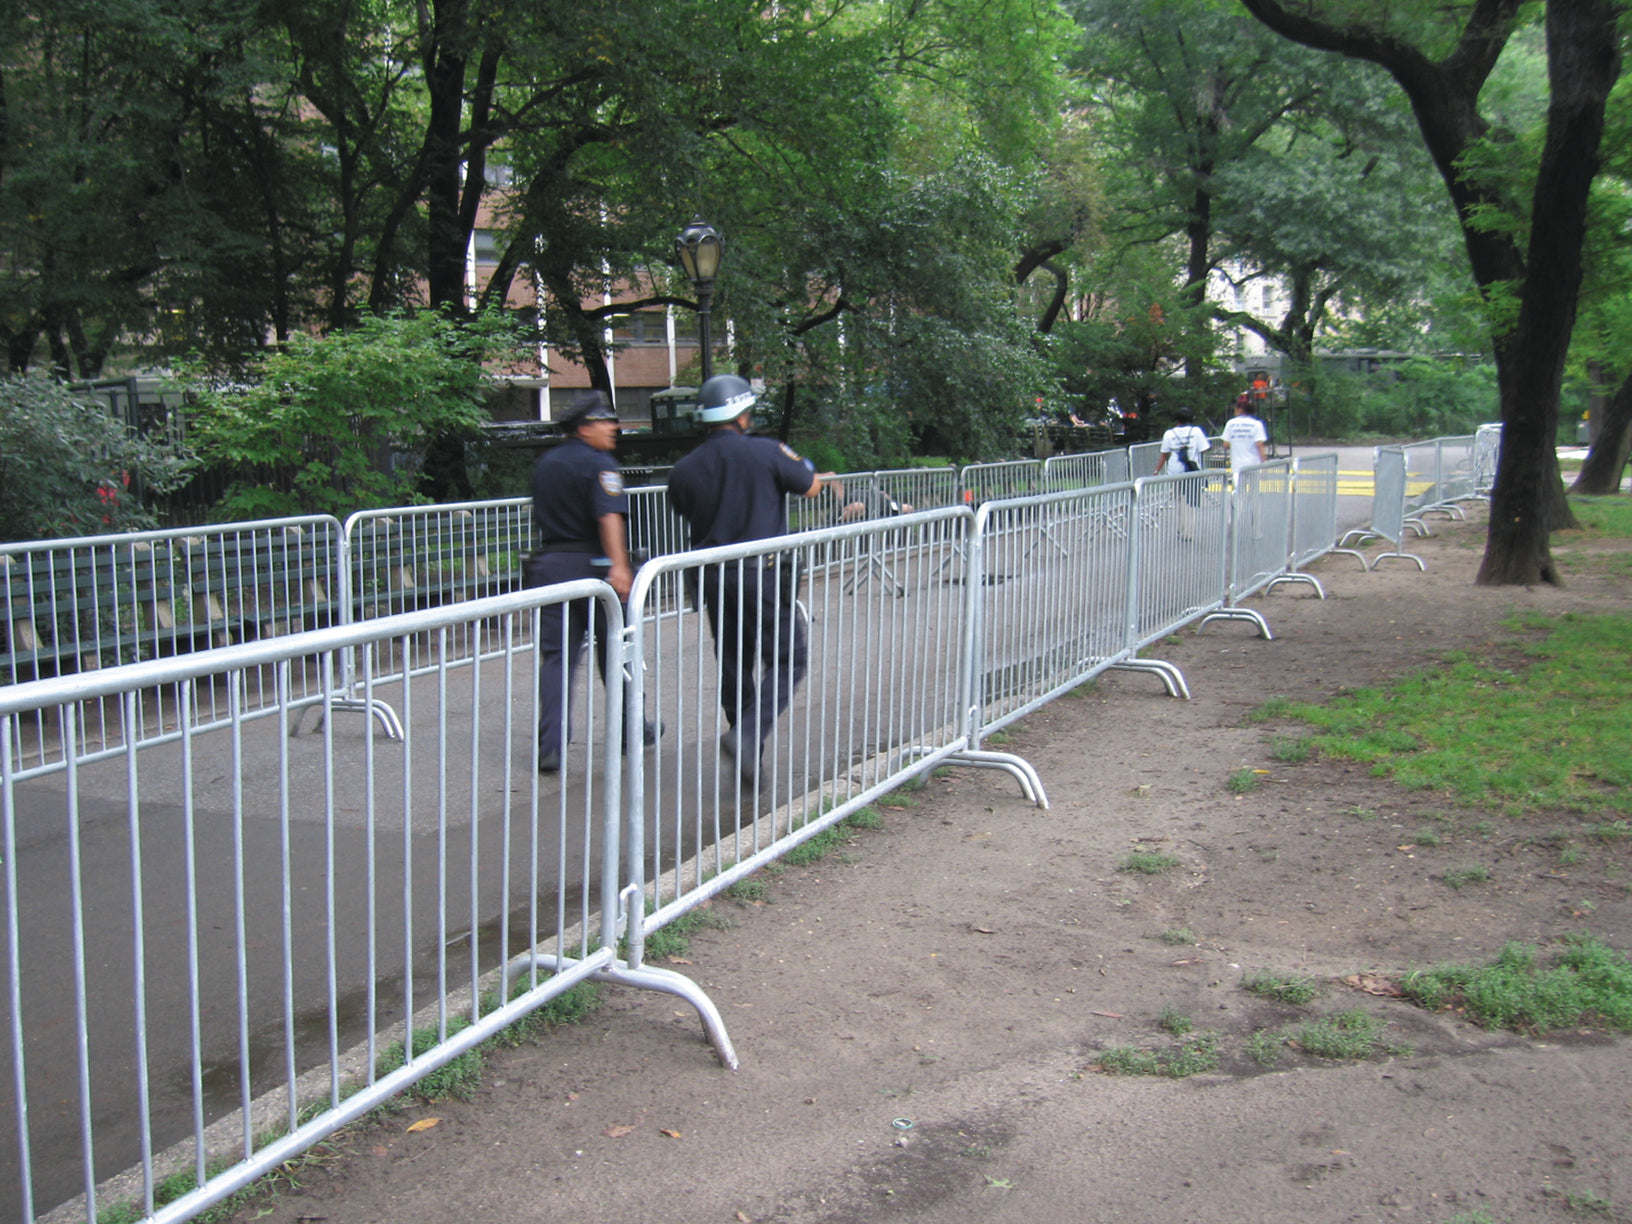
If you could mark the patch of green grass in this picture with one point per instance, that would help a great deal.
(1149, 862)
(672, 939)
(1571, 856)
(1598, 518)
(1178, 936)
(1241, 780)
(1265, 1047)
(1427, 837)
(1547, 733)
(1587, 984)
(749, 891)
(1197, 1054)
(1473, 1217)
(869, 818)
(1609, 830)
(1355, 1033)
(1360, 812)
(1290, 751)
(1296, 989)
(1275, 708)
(1586, 1202)
(1174, 1022)
(1459, 878)
(1484, 828)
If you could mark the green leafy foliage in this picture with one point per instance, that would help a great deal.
(68, 468)
(1586, 983)
(339, 423)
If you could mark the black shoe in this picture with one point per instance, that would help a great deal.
(747, 765)
(653, 733)
(549, 762)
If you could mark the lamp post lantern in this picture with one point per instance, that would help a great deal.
(699, 248)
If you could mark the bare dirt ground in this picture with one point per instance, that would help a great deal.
(961, 968)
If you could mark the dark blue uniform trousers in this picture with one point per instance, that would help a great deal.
(752, 614)
(561, 635)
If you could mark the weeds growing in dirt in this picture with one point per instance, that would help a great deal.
(1193, 1056)
(1459, 878)
(1178, 936)
(1174, 1022)
(1241, 780)
(1427, 837)
(1587, 984)
(1290, 751)
(1547, 734)
(1296, 989)
(1265, 1047)
(1355, 1033)
(1149, 862)
(749, 891)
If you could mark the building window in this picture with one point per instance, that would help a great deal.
(641, 327)
(487, 244)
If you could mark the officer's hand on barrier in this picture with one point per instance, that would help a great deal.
(620, 578)
(855, 510)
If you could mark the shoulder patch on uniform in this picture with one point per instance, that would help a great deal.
(612, 484)
(787, 450)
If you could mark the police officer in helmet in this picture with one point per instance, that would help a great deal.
(579, 508)
(730, 489)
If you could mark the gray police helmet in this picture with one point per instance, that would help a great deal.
(725, 397)
(588, 405)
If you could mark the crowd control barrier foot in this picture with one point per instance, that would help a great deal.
(664, 981)
(1171, 677)
(1296, 577)
(1241, 614)
(387, 717)
(1421, 564)
(1031, 782)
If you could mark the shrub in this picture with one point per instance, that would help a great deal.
(340, 423)
(69, 468)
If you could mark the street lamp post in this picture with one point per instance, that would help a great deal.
(699, 247)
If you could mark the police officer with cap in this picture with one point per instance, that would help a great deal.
(731, 489)
(579, 508)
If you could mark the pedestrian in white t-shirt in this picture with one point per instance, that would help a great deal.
(1245, 437)
(1184, 443)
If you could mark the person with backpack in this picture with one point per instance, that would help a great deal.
(1184, 444)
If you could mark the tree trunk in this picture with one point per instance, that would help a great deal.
(1601, 472)
(1583, 62)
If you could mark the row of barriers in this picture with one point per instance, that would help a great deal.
(224, 941)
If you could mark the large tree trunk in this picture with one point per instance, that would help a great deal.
(1601, 471)
(1528, 500)
(1583, 60)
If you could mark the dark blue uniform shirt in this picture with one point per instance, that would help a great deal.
(573, 485)
(732, 488)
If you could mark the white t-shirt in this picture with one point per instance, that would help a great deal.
(1188, 438)
(1242, 434)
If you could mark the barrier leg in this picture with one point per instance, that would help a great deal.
(1294, 576)
(1241, 614)
(1171, 677)
(1031, 783)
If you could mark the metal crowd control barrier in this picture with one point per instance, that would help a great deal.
(1053, 608)
(74, 606)
(1457, 464)
(1487, 450)
(1314, 518)
(1062, 473)
(920, 488)
(1388, 508)
(1261, 535)
(777, 727)
(984, 482)
(1181, 556)
(1142, 459)
(226, 946)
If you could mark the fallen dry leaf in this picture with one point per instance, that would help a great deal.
(983, 930)
(424, 1124)
(742, 1218)
(1108, 1015)
(669, 1134)
(618, 1130)
(677, 960)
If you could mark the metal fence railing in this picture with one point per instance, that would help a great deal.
(76, 606)
(1389, 519)
(229, 944)
(434, 870)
